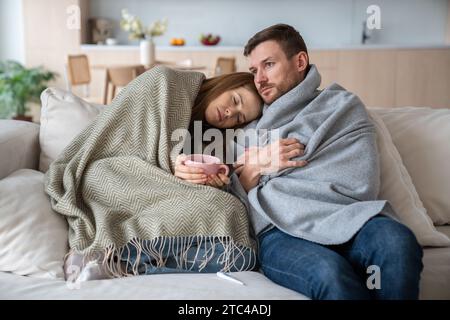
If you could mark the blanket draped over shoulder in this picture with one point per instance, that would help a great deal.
(114, 181)
(331, 198)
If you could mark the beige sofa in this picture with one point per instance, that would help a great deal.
(414, 150)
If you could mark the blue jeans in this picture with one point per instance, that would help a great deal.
(242, 260)
(341, 271)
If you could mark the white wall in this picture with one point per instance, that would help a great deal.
(321, 22)
(448, 22)
(11, 31)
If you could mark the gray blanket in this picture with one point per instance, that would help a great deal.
(332, 197)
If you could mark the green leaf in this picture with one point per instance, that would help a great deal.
(19, 85)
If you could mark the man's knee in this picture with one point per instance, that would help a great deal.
(394, 239)
(402, 236)
(329, 273)
(336, 279)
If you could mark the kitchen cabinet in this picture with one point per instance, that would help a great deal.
(370, 74)
(423, 78)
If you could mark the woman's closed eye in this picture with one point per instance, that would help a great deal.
(241, 118)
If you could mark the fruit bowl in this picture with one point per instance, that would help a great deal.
(177, 42)
(209, 39)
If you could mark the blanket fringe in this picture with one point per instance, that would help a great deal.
(117, 262)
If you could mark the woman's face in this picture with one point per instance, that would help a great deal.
(233, 108)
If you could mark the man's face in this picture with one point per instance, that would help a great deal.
(274, 73)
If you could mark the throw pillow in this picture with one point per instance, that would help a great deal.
(398, 188)
(18, 133)
(63, 117)
(422, 137)
(33, 238)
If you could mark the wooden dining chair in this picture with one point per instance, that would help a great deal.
(225, 65)
(78, 73)
(118, 77)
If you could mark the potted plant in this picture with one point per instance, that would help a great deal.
(20, 85)
(138, 31)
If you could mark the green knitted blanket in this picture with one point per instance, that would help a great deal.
(114, 181)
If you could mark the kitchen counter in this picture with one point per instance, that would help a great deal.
(382, 47)
(165, 48)
(90, 47)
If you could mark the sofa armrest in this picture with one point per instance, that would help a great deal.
(19, 146)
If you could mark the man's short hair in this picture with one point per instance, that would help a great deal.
(289, 39)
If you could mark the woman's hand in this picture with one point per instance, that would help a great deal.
(273, 157)
(189, 174)
(248, 176)
(218, 180)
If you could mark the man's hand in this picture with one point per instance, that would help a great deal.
(273, 157)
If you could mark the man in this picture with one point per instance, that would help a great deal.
(320, 227)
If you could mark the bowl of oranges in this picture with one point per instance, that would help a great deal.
(177, 42)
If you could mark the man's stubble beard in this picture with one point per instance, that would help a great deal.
(292, 85)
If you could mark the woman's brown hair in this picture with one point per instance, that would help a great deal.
(213, 87)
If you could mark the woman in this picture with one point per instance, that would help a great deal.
(227, 101)
(158, 236)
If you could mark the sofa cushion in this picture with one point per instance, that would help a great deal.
(422, 137)
(175, 286)
(63, 117)
(33, 238)
(398, 188)
(19, 146)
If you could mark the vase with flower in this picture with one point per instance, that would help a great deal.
(145, 35)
